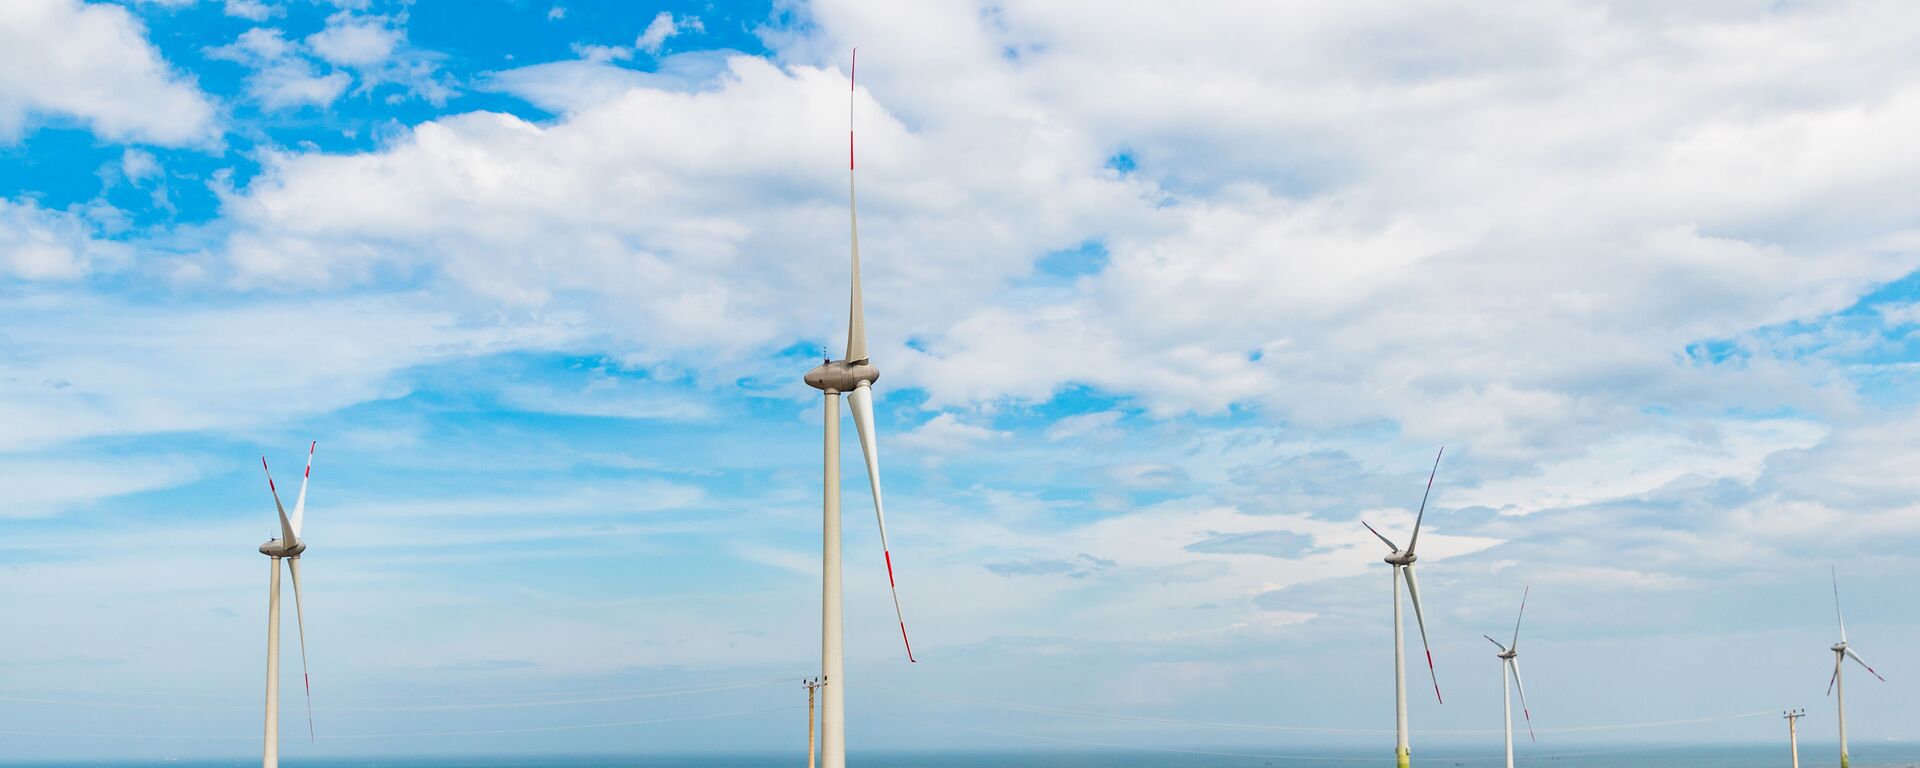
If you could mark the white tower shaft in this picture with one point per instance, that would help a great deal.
(1840, 698)
(1402, 755)
(1506, 705)
(271, 755)
(833, 713)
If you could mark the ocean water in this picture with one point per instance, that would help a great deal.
(1873, 756)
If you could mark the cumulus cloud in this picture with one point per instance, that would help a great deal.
(663, 26)
(351, 40)
(45, 245)
(93, 63)
(283, 76)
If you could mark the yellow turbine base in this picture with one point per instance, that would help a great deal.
(1843, 760)
(1404, 758)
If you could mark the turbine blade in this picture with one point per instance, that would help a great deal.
(300, 504)
(856, 312)
(862, 400)
(1515, 664)
(1863, 662)
(1496, 643)
(1836, 674)
(1523, 614)
(1836, 604)
(301, 620)
(1413, 589)
(286, 526)
(1387, 541)
(1415, 540)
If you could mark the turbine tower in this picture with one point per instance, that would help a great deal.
(1402, 562)
(288, 547)
(854, 376)
(1510, 664)
(1837, 686)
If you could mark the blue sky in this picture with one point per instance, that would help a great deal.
(1165, 302)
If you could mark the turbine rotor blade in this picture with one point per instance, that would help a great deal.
(1863, 662)
(856, 312)
(1835, 572)
(1836, 674)
(862, 401)
(1514, 663)
(1415, 539)
(1496, 643)
(1523, 614)
(1413, 589)
(300, 504)
(1383, 539)
(286, 526)
(301, 621)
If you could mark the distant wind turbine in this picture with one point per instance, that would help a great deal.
(1510, 663)
(1837, 686)
(288, 547)
(853, 375)
(1402, 562)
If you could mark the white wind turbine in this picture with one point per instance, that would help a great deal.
(1402, 562)
(853, 375)
(1510, 663)
(1837, 686)
(288, 547)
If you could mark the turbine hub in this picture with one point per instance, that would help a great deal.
(1509, 655)
(277, 548)
(1401, 558)
(1839, 647)
(834, 376)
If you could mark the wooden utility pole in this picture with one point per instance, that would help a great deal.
(813, 683)
(1793, 732)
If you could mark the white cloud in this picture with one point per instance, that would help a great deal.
(251, 10)
(33, 487)
(94, 368)
(39, 244)
(664, 26)
(945, 434)
(351, 40)
(92, 62)
(556, 13)
(284, 77)
(601, 54)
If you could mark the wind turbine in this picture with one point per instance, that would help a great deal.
(1510, 663)
(1837, 687)
(853, 375)
(1402, 562)
(288, 547)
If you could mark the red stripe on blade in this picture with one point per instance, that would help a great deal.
(1436, 682)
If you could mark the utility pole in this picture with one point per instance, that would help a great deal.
(1793, 732)
(813, 683)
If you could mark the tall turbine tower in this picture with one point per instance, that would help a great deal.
(1402, 562)
(288, 547)
(1510, 663)
(1837, 686)
(853, 375)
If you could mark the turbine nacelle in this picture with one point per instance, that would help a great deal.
(278, 548)
(1401, 558)
(1839, 647)
(842, 375)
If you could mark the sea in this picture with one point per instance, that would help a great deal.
(1746, 756)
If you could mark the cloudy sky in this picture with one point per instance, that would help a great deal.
(1166, 299)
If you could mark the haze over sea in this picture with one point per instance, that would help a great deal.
(1594, 756)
